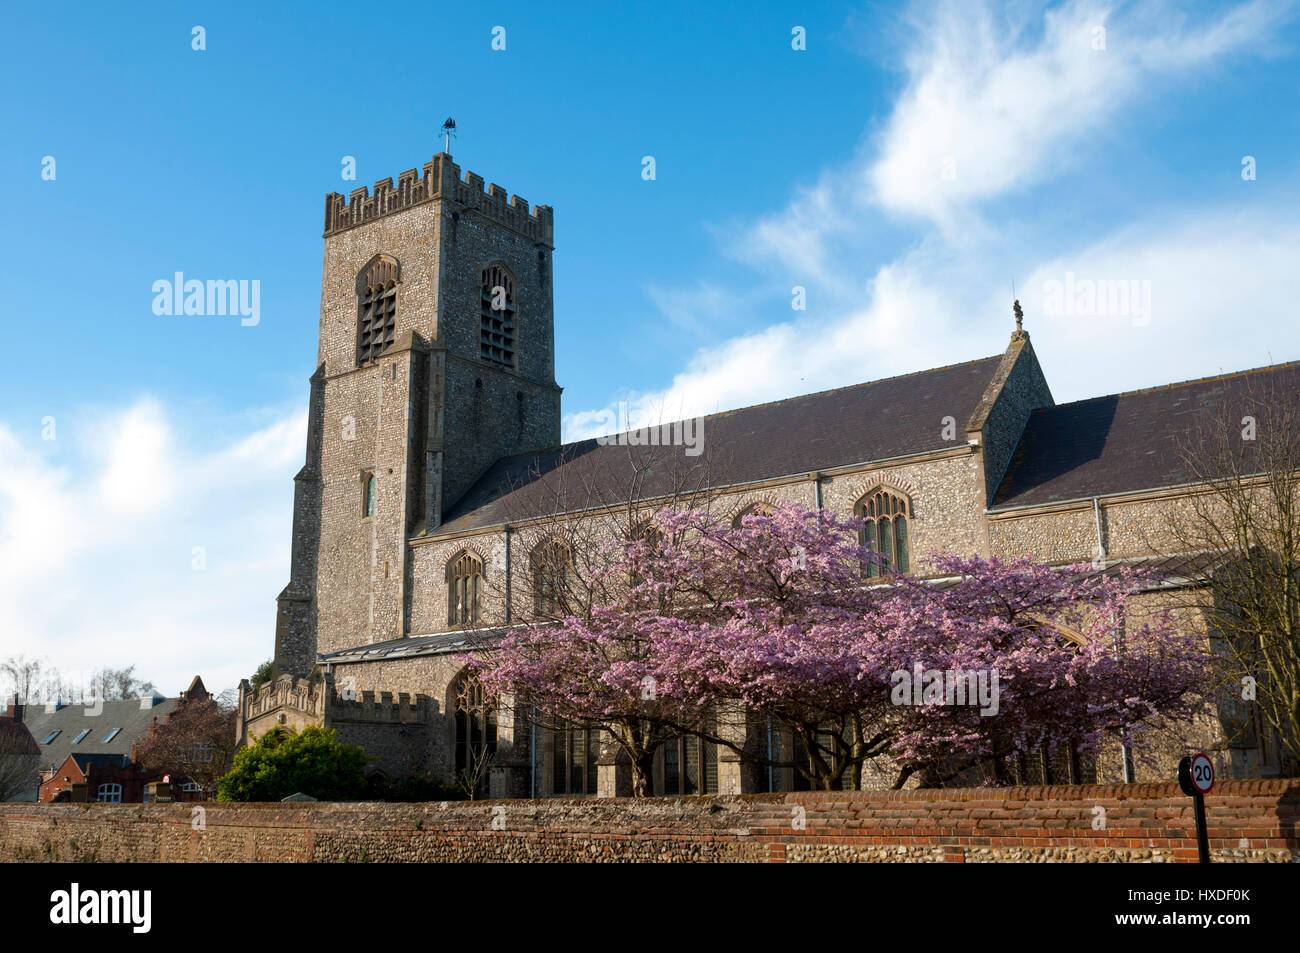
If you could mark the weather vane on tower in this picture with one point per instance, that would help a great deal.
(448, 130)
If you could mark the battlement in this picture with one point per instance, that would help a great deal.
(441, 180)
(322, 701)
(404, 709)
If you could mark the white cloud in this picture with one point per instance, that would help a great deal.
(98, 530)
(1014, 97)
(991, 107)
(138, 476)
(1222, 289)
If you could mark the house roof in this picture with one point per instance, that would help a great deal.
(71, 719)
(1132, 441)
(87, 761)
(16, 739)
(876, 421)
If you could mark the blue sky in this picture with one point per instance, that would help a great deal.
(905, 168)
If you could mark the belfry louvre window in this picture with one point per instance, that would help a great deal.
(376, 308)
(497, 317)
(886, 531)
(464, 589)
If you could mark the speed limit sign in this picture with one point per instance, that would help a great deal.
(1202, 772)
(1196, 778)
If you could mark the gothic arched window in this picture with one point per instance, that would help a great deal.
(652, 536)
(464, 589)
(476, 732)
(886, 530)
(753, 509)
(497, 317)
(376, 307)
(551, 563)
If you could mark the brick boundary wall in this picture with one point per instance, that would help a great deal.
(1249, 821)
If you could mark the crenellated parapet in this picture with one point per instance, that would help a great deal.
(364, 707)
(298, 702)
(441, 181)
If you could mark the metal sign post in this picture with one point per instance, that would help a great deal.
(1196, 778)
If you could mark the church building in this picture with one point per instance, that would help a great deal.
(425, 516)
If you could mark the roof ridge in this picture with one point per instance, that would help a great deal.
(779, 400)
(847, 387)
(1187, 383)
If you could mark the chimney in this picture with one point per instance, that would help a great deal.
(13, 709)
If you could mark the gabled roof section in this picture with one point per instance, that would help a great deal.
(1128, 442)
(87, 761)
(864, 423)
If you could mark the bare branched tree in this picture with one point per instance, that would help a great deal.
(1242, 529)
(18, 774)
(25, 677)
(19, 761)
(197, 741)
(470, 780)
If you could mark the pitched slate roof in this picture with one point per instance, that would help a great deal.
(868, 422)
(1128, 442)
(71, 719)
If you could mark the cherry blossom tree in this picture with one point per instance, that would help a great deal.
(777, 618)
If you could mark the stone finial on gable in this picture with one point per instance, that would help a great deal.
(1019, 334)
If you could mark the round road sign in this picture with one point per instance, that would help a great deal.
(1202, 772)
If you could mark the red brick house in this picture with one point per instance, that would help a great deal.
(109, 778)
(95, 745)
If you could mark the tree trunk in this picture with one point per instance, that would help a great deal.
(643, 775)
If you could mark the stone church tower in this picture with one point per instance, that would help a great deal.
(436, 358)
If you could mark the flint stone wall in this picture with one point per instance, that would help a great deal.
(1250, 821)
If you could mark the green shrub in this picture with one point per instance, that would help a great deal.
(285, 762)
(262, 675)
